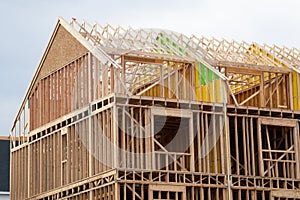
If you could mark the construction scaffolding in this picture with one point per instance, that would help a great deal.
(115, 113)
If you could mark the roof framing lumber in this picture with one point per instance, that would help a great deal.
(151, 113)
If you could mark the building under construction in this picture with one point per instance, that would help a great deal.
(123, 113)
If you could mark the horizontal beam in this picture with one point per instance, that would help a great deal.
(285, 193)
(246, 68)
(278, 122)
(142, 59)
(97, 178)
(138, 53)
(163, 187)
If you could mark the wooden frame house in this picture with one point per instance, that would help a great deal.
(115, 113)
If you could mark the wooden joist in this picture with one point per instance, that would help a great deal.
(138, 114)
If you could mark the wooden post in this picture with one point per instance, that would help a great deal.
(259, 143)
(297, 149)
(161, 82)
(122, 83)
(261, 88)
(148, 140)
(191, 141)
(291, 97)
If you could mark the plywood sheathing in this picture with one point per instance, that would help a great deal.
(257, 151)
(64, 49)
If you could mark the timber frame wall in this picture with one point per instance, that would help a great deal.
(151, 114)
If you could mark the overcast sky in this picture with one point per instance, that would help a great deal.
(26, 26)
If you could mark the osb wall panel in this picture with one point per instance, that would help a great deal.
(63, 50)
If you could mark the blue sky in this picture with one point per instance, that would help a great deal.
(26, 27)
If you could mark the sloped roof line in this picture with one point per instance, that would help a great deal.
(287, 59)
(95, 50)
(282, 62)
(36, 73)
(137, 39)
